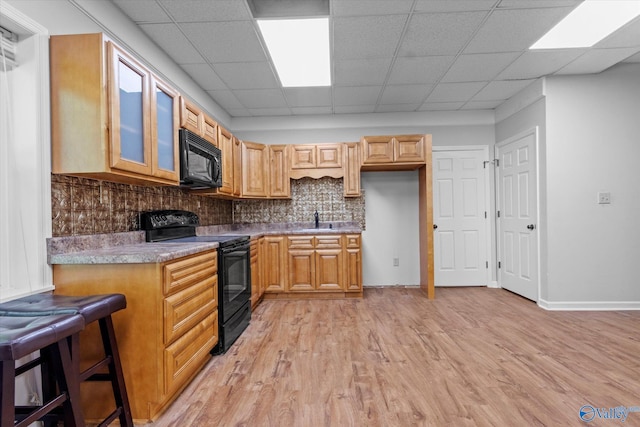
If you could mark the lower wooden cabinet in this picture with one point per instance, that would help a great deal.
(164, 335)
(274, 255)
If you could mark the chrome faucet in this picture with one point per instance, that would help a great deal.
(317, 218)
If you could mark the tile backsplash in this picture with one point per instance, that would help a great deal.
(81, 206)
(307, 195)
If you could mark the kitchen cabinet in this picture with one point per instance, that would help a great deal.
(275, 262)
(400, 152)
(257, 290)
(111, 117)
(315, 263)
(255, 169)
(278, 172)
(351, 169)
(164, 335)
(237, 168)
(316, 160)
(353, 263)
(195, 120)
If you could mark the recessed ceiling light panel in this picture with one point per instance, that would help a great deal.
(589, 23)
(299, 49)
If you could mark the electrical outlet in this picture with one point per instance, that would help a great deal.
(604, 198)
(396, 262)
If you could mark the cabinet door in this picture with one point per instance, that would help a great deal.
(210, 130)
(303, 156)
(190, 117)
(225, 140)
(164, 130)
(329, 269)
(255, 272)
(237, 168)
(275, 263)
(377, 149)
(351, 169)
(254, 169)
(329, 155)
(409, 149)
(129, 131)
(353, 254)
(279, 181)
(301, 263)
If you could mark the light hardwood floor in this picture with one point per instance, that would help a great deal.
(472, 356)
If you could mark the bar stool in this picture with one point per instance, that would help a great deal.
(21, 336)
(92, 308)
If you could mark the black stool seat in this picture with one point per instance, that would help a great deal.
(92, 308)
(21, 336)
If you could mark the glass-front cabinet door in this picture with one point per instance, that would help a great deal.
(129, 111)
(165, 113)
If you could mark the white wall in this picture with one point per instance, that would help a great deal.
(593, 144)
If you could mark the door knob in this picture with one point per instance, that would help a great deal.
(531, 226)
(435, 226)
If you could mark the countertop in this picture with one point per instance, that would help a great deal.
(131, 248)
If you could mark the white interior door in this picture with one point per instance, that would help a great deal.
(518, 215)
(460, 215)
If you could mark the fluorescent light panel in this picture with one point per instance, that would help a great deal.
(299, 49)
(589, 23)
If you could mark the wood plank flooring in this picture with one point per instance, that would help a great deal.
(471, 357)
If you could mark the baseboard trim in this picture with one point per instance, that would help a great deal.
(589, 305)
(493, 284)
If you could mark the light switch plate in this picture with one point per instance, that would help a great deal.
(604, 198)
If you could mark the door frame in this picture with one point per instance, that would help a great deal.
(535, 132)
(490, 209)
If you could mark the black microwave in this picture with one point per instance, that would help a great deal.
(200, 162)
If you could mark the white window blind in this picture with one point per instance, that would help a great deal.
(7, 50)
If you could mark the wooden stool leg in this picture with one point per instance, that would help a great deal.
(7, 380)
(115, 370)
(68, 378)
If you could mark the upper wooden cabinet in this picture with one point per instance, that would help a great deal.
(390, 152)
(351, 169)
(316, 160)
(255, 169)
(111, 118)
(278, 172)
(195, 120)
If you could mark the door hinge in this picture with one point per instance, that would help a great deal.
(485, 214)
(487, 264)
(498, 214)
(494, 162)
(499, 264)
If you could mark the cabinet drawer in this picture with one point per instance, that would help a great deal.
(187, 271)
(329, 242)
(353, 241)
(300, 242)
(188, 354)
(186, 308)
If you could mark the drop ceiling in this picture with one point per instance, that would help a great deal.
(387, 55)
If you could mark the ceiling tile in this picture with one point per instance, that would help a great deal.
(226, 99)
(627, 36)
(536, 63)
(239, 112)
(367, 37)
(247, 75)
(452, 92)
(143, 11)
(597, 60)
(270, 111)
(481, 105)
(354, 109)
(441, 106)
(501, 90)
(397, 108)
(531, 4)
(204, 75)
(514, 30)
(172, 41)
(453, 6)
(429, 69)
(634, 58)
(234, 41)
(361, 72)
(478, 67)
(369, 7)
(207, 10)
(308, 96)
(440, 33)
(356, 95)
(261, 98)
(404, 94)
(311, 110)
